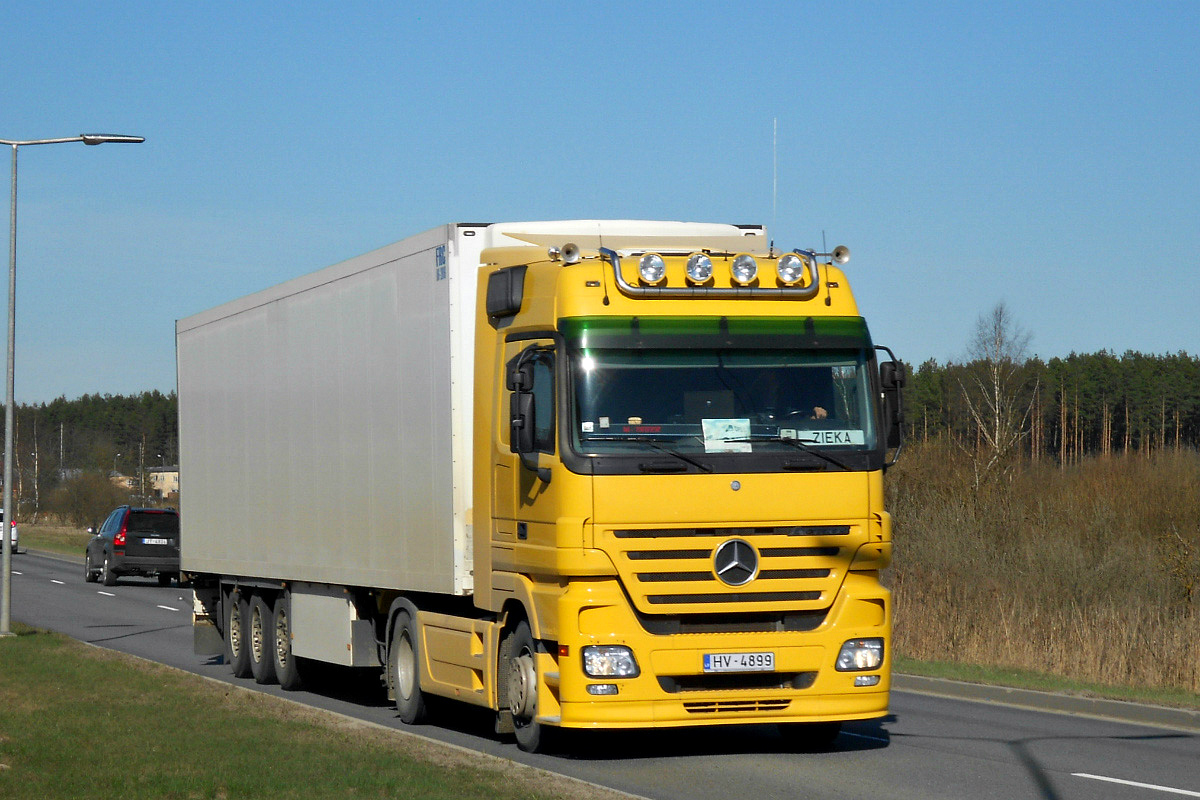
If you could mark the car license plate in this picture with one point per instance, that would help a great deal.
(739, 662)
(156, 541)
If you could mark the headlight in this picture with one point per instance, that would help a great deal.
(609, 661)
(652, 268)
(699, 268)
(745, 269)
(860, 655)
(790, 268)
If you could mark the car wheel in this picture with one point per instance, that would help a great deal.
(532, 736)
(108, 577)
(164, 578)
(237, 639)
(262, 641)
(404, 670)
(89, 572)
(287, 666)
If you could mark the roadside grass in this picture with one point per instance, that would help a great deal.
(60, 539)
(1044, 682)
(79, 721)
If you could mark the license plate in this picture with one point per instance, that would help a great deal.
(739, 662)
(156, 541)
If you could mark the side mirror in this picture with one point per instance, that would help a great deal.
(91, 530)
(522, 415)
(892, 379)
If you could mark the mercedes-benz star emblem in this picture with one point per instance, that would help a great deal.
(735, 562)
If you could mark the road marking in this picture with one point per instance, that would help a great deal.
(1156, 788)
(106, 594)
(14, 572)
(60, 583)
(168, 608)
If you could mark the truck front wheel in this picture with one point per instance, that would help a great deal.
(404, 670)
(532, 736)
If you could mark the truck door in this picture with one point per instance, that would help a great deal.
(523, 501)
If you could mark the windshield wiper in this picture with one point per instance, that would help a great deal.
(656, 468)
(799, 445)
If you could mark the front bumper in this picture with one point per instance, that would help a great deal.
(672, 688)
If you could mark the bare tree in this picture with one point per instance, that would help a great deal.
(993, 389)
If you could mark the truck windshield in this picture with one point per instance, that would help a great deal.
(714, 390)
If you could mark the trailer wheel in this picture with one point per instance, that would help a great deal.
(262, 641)
(404, 670)
(287, 668)
(237, 638)
(532, 736)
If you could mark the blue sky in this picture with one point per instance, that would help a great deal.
(967, 153)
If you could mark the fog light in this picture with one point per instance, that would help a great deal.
(699, 268)
(860, 654)
(602, 688)
(652, 268)
(609, 661)
(866, 680)
(745, 269)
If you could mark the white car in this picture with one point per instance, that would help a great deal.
(14, 537)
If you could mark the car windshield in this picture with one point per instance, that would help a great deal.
(724, 386)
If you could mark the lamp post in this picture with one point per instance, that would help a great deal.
(9, 510)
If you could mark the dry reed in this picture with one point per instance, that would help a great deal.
(1092, 572)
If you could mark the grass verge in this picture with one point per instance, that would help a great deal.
(1044, 682)
(54, 539)
(78, 721)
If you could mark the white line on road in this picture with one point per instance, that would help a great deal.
(168, 608)
(106, 594)
(1183, 792)
(60, 583)
(14, 572)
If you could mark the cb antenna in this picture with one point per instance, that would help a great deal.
(774, 172)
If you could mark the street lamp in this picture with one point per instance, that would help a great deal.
(10, 510)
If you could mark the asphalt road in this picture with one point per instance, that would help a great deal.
(930, 747)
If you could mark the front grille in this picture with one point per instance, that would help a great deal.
(677, 684)
(671, 571)
(735, 706)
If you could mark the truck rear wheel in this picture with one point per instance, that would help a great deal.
(262, 641)
(532, 736)
(287, 668)
(237, 639)
(404, 670)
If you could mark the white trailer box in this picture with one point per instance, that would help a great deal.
(325, 423)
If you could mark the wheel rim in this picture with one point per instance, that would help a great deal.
(281, 639)
(406, 669)
(87, 565)
(522, 686)
(256, 635)
(235, 630)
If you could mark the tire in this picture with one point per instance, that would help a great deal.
(287, 666)
(237, 639)
(811, 737)
(107, 576)
(165, 578)
(262, 641)
(532, 736)
(89, 572)
(404, 670)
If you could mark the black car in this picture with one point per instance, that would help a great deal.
(134, 541)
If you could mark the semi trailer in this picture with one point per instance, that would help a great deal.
(590, 474)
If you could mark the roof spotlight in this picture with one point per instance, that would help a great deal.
(699, 268)
(652, 268)
(790, 269)
(744, 269)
